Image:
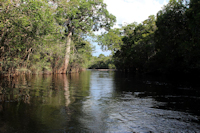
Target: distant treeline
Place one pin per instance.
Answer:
(102, 62)
(166, 44)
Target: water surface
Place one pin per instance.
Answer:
(98, 101)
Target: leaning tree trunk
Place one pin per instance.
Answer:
(64, 66)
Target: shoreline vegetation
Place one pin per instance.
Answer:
(166, 44)
(44, 37)
(51, 37)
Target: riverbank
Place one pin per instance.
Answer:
(24, 71)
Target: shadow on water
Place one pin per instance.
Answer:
(175, 94)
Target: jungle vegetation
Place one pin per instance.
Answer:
(168, 43)
(45, 36)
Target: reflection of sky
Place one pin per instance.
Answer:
(106, 110)
(95, 107)
(98, 51)
(101, 85)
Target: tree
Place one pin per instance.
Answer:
(81, 54)
(81, 16)
(102, 62)
(111, 40)
(138, 45)
(23, 26)
(193, 54)
(193, 13)
(171, 38)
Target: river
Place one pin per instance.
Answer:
(98, 101)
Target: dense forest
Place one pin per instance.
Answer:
(44, 36)
(168, 43)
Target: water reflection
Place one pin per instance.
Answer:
(97, 101)
(121, 103)
(95, 107)
(66, 90)
(34, 104)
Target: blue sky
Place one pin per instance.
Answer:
(128, 11)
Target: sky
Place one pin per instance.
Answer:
(129, 11)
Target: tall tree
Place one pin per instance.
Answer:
(172, 37)
(81, 16)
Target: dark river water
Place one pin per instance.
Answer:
(98, 101)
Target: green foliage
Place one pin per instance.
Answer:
(168, 44)
(34, 32)
(83, 16)
(81, 53)
(102, 62)
(23, 29)
(176, 41)
(79, 18)
(138, 45)
(111, 40)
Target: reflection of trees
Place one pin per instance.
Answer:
(38, 87)
(79, 85)
(64, 79)
(41, 101)
(32, 101)
(66, 93)
(14, 89)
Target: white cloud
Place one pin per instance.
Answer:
(133, 10)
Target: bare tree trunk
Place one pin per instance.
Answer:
(63, 69)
